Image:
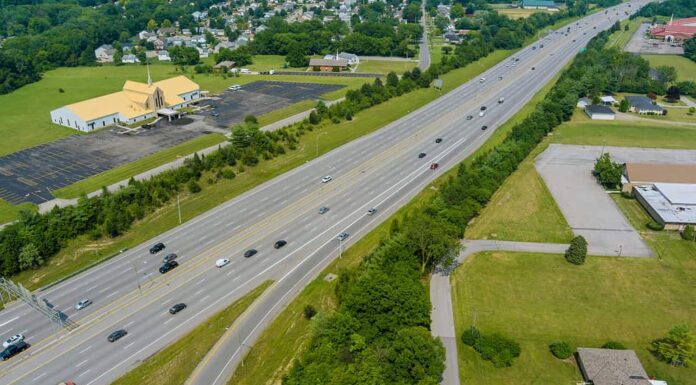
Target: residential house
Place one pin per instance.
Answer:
(158, 44)
(199, 15)
(129, 59)
(326, 65)
(583, 102)
(643, 105)
(225, 44)
(599, 112)
(225, 65)
(163, 56)
(443, 10)
(352, 59)
(452, 37)
(105, 53)
(611, 367)
(166, 32)
(608, 100)
(144, 35)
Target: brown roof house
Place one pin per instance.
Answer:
(328, 65)
(611, 367)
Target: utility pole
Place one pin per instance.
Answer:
(137, 277)
(178, 206)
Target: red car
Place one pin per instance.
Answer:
(434, 166)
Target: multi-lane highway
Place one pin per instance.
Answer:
(381, 170)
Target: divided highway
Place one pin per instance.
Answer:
(381, 170)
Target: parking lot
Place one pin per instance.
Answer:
(639, 43)
(260, 97)
(31, 174)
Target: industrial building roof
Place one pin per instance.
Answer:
(660, 173)
(672, 202)
(611, 367)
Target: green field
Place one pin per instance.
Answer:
(125, 171)
(385, 66)
(538, 299)
(267, 62)
(519, 13)
(686, 69)
(9, 212)
(174, 364)
(620, 38)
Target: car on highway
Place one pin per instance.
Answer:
(177, 308)
(482, 114)
(469, 117)
(500, 77)
(434, 166)
(170, 257)
(438, 140)
(533, 68)
(342, 236)
(157, 247)
(326, 179)
(483, 108)
(279, 244)
(117, 335)
(371, 211)
(83, 303)
(501, 100)
(323, 210)
(167, 267)
(15, 339)
(421, 155)
(13, 350)
(250, 253)
(67, 383)
(222, 262)
(482, 80)
(484, 128)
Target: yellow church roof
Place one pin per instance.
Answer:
(131, 101)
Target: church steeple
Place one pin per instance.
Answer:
(149, 78)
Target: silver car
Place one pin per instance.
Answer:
(83, 304)
(342, 236)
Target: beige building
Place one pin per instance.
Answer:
(638, 174)
(135, 102)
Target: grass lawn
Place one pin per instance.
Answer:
(522, 210)
(9, 212)
(686, 69)
(83, 252)
(620, 38)
(125, 171)
(175, 363)
(518, 13)
(267, 62)
(582, 130)
(537, 299)
(385, 66)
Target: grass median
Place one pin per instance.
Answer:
(174, 364)
(84, 251)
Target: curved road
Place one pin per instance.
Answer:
(380, 170)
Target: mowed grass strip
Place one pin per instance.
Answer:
(385, 66)
(128, 170)
(620, 38)
(174, 364)
(686, 69)
(84, 251)
(537, 299)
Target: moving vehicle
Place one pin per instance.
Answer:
(279, 244)
(168, 266)
(438, 140)
(234, 87)
(157, 247)
(342, 236)
(421, 155)
(250, 253)
(323, 210)
(117, 335)
(469, 117)
(501, 100)
(15, 339)
(533, 68)
(481, 114)
(371, 211)
(222, 262)
(170, 257)
(13, 350)
(215, 114)
(483, 108)
(484, 128)
(326, 179)
(83, 303)
(482, 80)
(177, 308)
(434, 166)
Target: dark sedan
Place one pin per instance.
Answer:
(156, 248)
(168, 266)
(177, 308)
(115, 336)
(280, 244)
(250, 253)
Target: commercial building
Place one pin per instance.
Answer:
(135, 102)
(675, 30)
(540, 4)
(596, 112)
(666, 191)
(328, 65)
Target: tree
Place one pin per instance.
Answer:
(414, 356)
(673, 93)
(392, 79)
(446, 50)
(183, 56)
(118, 56)
(433, 240)
(607, 172)
(412, 13)
(241, 56)
(151, 25)
(309, 311)
(688, 233)
(314, 118)
(623, 106)
(296, 57)
(577, 251)
(29, 257)
(678, 348)
(665, 75)
(166, 23)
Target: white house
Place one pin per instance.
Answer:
(105, 53)
(163, 56)
(136, 102)
(599, 112)
(352, 58)
(129, 59)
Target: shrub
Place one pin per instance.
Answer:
(62, 91)
(309, 311)
(678, 348)
(314, 118)
(496, 348)
(561, 350)
(577, 251)
(228, 173)
(194, 187)
(613, 345)
(688, 233)
(627, 195)
(654, 225)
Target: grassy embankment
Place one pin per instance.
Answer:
(175, 363)
(83, 252)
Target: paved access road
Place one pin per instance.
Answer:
(380, 170)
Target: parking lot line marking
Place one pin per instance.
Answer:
(82, 363)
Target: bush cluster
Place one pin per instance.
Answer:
(577, 251)
(613, 345)
(561, 350)
(496, 348)
(654, 225)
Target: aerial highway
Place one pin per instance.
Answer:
(381, 170)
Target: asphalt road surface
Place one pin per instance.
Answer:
(380, 170)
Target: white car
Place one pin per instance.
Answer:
(222, 262)
(13, 340)
(83, 304)
(481, 114)
(326, 179)
(482, 80)
(234, 87)
(245, 71)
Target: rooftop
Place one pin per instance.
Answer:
(642, 102)
(538, 3)
(660, 173)
(597, 109)
(328, 62)
(611, 367)
(672, 202)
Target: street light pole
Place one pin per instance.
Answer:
(137, 277)
(178, 206)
